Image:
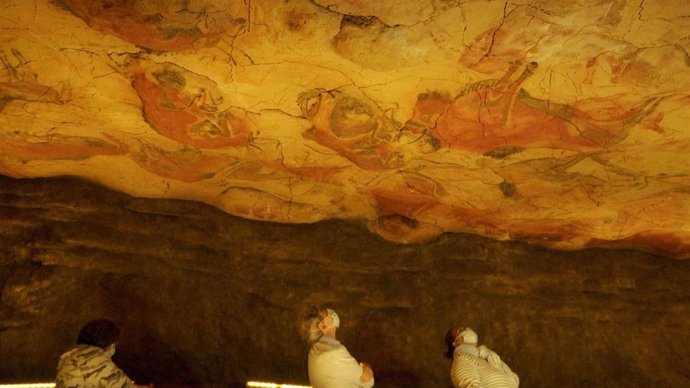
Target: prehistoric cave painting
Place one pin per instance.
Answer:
(580, 36)
(489, 51)
(413, 215)
(186, 164)
(164, 25)
(269, 191)
(418, 209)
(409, 196)
(189, 108)
(25, 148)
(551, 176)
(400, 229)
(353, 126)
(403, 200)
(323, 174)
(491, 115)
(19, 82)
(189, 164)
(589, 148)
(526, 31)
(651, 68)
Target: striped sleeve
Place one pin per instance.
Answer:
(474, 372)
(465, 371)
(495, 361)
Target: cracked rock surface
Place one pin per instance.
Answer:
(560, 125)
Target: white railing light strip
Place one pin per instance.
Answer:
(260, 384)
(251, 384)
(28, 385)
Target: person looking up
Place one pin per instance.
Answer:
(476, 366)
(330, 364)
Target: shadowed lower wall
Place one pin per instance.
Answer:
(204, 298)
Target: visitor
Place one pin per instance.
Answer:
(476, 366)
(89, 364)
(330, 364)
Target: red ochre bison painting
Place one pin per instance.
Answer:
(353, 126)
(486, 117)
(188, 109)
(164, 26)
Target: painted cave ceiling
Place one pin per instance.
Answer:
(563, 124)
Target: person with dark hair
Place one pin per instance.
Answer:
(476, 366)
(89, 363)
(330, 364)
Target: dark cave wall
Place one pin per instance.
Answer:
(204, 298)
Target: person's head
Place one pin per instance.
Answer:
(308, 325)
(458, 336)
(329, 323)
(468, 336)
(100, 332)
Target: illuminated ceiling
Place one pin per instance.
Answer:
(563, 124)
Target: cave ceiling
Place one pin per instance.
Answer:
(563, 124)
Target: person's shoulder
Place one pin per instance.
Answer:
(322, 347)
(79, 350)
(84, 356)
(89, 354)
(462, 358)
(484, 351)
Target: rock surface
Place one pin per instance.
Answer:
(205, 298)
(556, 123)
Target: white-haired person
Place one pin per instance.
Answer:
(476, 366)
(330, 364)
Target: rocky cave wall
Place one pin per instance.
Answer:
(205, 298)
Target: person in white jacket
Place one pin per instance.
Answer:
(476, 366)
(330, 364)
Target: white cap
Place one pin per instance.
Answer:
(468, 336)
(334, 315)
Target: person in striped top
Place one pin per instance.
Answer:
(476, 366)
